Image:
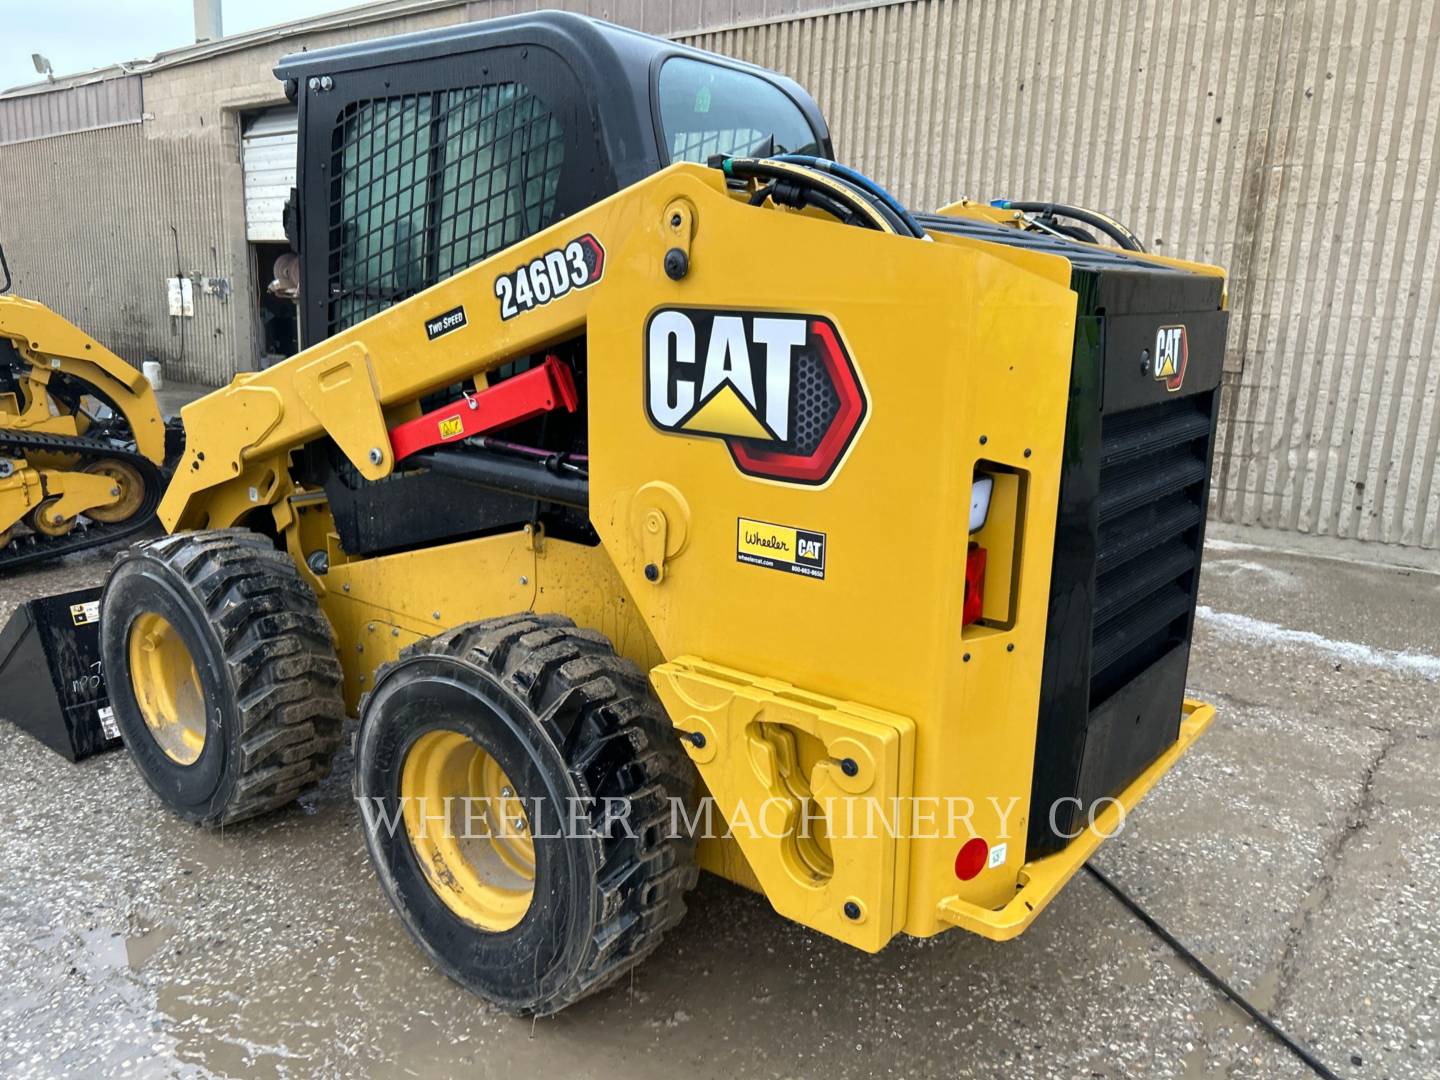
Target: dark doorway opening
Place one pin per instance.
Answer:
(279, 317)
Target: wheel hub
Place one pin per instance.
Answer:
(129, 490)
(469, 829)
(167, 688)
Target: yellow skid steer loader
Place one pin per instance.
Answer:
(662, 496)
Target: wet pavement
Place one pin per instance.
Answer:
(1295, 848)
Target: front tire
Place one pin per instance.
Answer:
(222, 673)
(525, 710)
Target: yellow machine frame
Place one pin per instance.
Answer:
(964, 351)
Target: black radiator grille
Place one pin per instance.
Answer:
(1153, 468)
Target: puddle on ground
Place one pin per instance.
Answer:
(142, 946)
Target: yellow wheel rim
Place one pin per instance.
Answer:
(469, 829)
(43, 520)
(129, 488)
(167, 688)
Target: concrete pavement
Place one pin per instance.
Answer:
(1295, 849)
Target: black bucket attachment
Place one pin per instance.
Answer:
(50, 678)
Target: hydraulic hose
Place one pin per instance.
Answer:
(1108, 225)
(823, 191)
(861, 181)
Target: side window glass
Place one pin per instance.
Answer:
(709, 109)
(377, 212)
(424, 185)
(503, 151)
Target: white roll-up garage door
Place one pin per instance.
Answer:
(269, 159)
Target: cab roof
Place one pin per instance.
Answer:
(603, 56)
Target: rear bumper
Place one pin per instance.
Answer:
(1041, 880)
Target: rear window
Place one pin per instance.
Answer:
(707, 109)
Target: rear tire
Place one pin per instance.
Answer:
(222, 673)
(554, 714)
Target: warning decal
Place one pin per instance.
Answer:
(780, 547)
(86, 613)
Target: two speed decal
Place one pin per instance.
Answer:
(579, 263)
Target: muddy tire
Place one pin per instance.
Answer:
(567, 727)
(222, 673)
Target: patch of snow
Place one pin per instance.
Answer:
(1243, 626)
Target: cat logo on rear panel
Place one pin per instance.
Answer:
(779, 389)
(1172, 353)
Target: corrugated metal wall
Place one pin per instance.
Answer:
(1292, 141)
(102, 103)
(87, 192)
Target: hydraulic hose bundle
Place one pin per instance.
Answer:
(799, 181)
(1047, 212)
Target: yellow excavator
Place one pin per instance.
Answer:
(82, 441)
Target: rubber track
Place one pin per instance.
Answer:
(599, 711)
(32, 547)
(280, 652)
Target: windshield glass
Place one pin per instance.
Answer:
(707, 109)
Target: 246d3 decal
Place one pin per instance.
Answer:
(779, 389)
(558, 272)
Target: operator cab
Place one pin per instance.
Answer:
(425, 153)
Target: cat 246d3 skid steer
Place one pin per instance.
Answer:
(661, 496)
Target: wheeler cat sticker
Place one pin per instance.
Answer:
(780, 547)
(558, 272)
(779, 389)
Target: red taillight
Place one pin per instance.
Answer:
(974, 584)
(971, 859)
